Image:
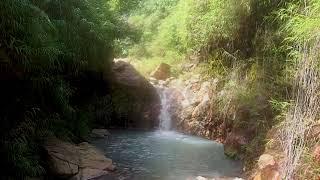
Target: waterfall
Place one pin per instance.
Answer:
(164, 117)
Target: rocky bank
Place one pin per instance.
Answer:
(76, 162)
(194, 103)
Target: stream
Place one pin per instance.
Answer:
(165, 154)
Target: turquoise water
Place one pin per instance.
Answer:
(166, 156)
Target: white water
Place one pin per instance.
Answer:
(164, 117)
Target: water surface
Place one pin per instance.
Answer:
(163, 155)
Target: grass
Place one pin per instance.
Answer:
(147, 65)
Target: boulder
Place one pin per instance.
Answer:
(126, 75)
(76, 162)
(162, 72)
(316, 153)
(268, 168)
(99, 133)
(136, 100)
(91, 158)
(63, 158)
(268, 173)
(266, 160)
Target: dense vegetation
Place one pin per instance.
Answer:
(254, 47)
(56, 55)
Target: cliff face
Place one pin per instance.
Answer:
(136, 102)
(213, 109)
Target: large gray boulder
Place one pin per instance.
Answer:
(76, 162)
(63, 158)
(136, 101)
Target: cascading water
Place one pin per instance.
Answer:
(164, 117)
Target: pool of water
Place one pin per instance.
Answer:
(162, 155)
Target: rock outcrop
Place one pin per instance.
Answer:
(162, 72)
(76, 162)
(63, 158)
(99, 133)
(136, 101)
(268, 168)
(190, 103)
(316, 153)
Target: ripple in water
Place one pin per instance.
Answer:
(163, 155)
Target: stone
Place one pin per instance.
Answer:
(266, 160)
(92, 158)
(268, 173)
(201, 178)
(88, 173)
(162, 72)
(125, 74)
(202, 108)
(139, 95)
(316, 153)
(268, 168)
(153, 81)
(63, 158)
(77, 162)
(99, 133)
(112, 168)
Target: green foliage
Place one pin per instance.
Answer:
(124, 6)
(46, 47)
(20, 145)
(252, 46)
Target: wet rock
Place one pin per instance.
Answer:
(91, 158)
(162, 72)
(193, 106)
(139, 101)
(99, 133)
(201, 178)
(76, 162)
(63, 158)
